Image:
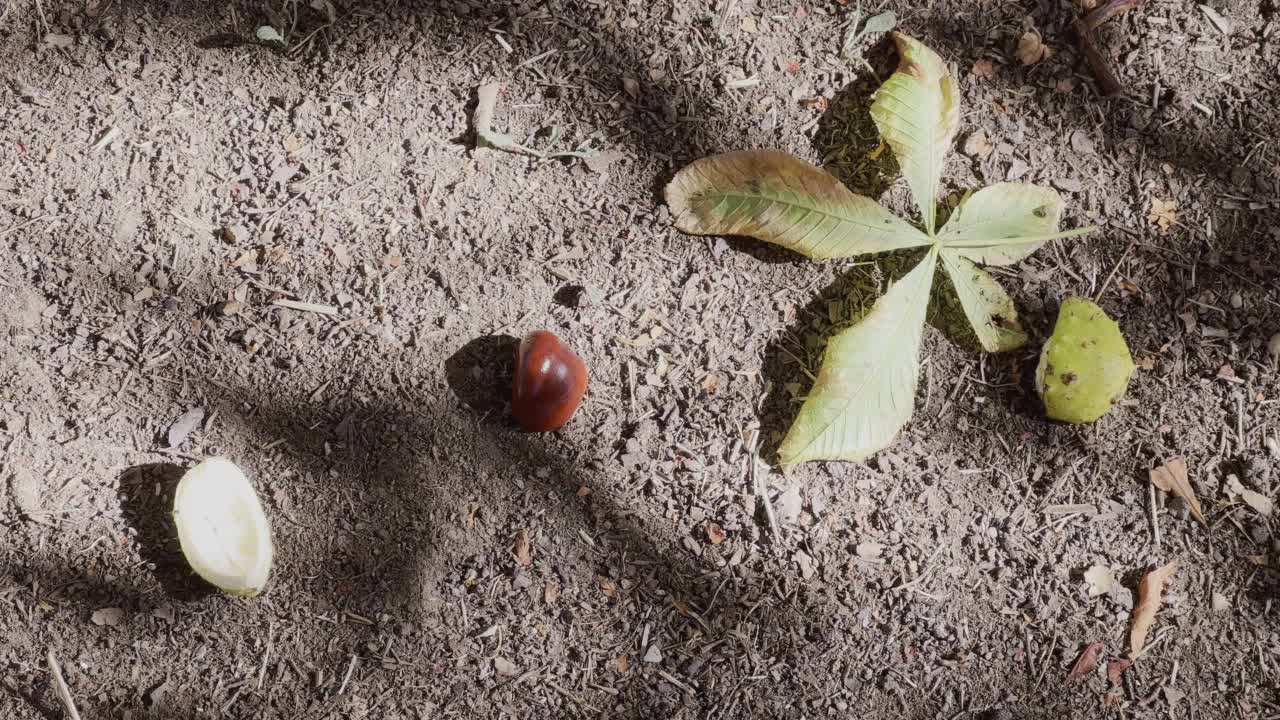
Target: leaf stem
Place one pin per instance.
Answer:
(1024, 240)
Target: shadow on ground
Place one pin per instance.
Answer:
(146, 495)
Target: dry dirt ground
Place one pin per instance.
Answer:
(164, 181)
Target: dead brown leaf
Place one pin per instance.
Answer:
(1163, 214)
(523, 550)
(977, 144)
(1150, 589)
(1031, 48)
(248, 258)
(1115, 670)
(715, 533)
(1171, 477)
(607, 586)
(983, 69)
(711, 383)
(817, 104)
(1086, 663)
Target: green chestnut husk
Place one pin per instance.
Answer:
(1085, 366)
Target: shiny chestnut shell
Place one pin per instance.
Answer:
(549, 383)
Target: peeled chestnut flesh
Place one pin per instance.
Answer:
(550, 381)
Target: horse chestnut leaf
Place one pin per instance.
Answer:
(550, 381)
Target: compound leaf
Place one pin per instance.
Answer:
(772, 196)
(991, 313)
(917, 111)
(1004, 223)
(865, 391)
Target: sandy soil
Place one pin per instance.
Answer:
(165, 180)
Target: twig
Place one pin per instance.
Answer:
(61, 689)
(1111, 276)
(347, 677)
(1108, 81)
(757, 483)
(44, 22)
(10, 230)
(1155, 520)
(306, 307)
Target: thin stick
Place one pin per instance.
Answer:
(19, 226)
(44, 23)
(306, 307)
(757, 484)
(1108, 81)
(1155, 520)
(60, 688)
(347, 677)
(1114, 270)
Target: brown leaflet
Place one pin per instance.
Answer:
(1172, 478)
(1150, 589)
(1086, 663)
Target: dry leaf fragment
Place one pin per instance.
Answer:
(1163, 214)
(624, 664)
(109, 616)
(1172, 478)
(1031, 48)
(715, 533)
(1086, 663)
(607, 586)
(1115, 670)
(523, 550)
(983, 69)
(1150, 589)
(186, 423)
(1100, 580)
(1259, 502)
(551, 592)
(247, 259)
(711, 383)
(817, 104)
(977, 144)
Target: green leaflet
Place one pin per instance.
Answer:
(772, 196)
(918, 112)
(865, 391)
(987, 306)
(1004, 223)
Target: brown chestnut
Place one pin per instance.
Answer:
(549, 383)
